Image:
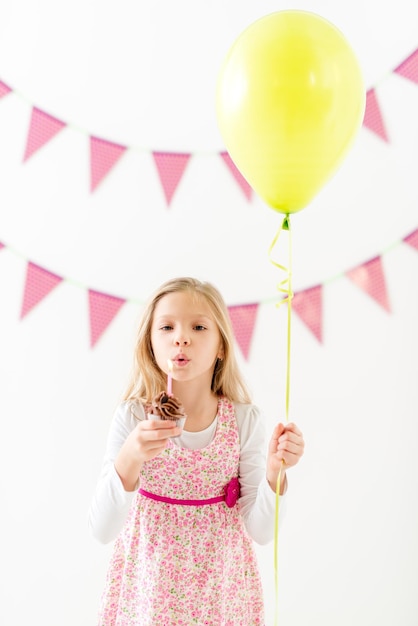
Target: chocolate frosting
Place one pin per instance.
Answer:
(167, 407)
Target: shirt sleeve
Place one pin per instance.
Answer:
(111, 503)
(257, 500)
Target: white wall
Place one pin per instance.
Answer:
(143, 74)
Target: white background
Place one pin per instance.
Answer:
(143, 74)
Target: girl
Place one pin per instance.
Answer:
(184, 505)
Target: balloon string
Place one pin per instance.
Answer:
(284, 287)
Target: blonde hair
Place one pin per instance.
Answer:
(147, 379)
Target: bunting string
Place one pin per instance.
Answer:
(368, 276)
(170, 166)
(105, 154)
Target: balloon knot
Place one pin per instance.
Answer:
(286, 223)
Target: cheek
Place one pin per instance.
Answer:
(159, 355)
(156, 344)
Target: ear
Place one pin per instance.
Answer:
(220, 354)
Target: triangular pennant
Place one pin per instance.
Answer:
(243, 320)
(371, 279)
(39, 283)
(103, 156)
(373, 117)
(170, 166)
(237, 175)
(308, 306)
(102, 308)
(2, 245)
(412, 239)
(4, 89)
(409, 67)
(41, 129)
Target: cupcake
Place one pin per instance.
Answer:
(165, 407)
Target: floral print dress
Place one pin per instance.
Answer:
(190, 562)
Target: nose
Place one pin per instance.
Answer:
(182, 340)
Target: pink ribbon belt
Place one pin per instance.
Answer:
(155, 496)
(230, 496)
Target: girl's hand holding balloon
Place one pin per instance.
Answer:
(285, 450)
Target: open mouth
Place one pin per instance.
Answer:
(181, 360)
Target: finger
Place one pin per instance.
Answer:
(154, 447)
(289, 446)
(279, 461)
(153, 450)
(289, 459)
(157, 424)
(158, 434)
(289, 435)
(277, 433)
(159, 429)
(291, 427)
(292, 438)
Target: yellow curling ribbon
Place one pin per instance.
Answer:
(284, 287)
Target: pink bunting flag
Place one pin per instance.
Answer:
(2, 245)
(103, 156)
(371, 279)
(239, 178)
(307, 304)
(170, 167)
(41, 129)
(412, 239)
(409, 67)
(39, 283)
(243, 318)
(373, 119)
(103, 308)
(4, 89)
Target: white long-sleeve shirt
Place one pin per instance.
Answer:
(111, 503)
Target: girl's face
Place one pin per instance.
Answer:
(184, 330)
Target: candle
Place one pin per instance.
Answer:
(169, 377)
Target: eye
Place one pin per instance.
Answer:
(199, 327)
(166, 327)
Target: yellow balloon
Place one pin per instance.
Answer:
(290, 99)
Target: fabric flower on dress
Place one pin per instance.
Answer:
(232, 490)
